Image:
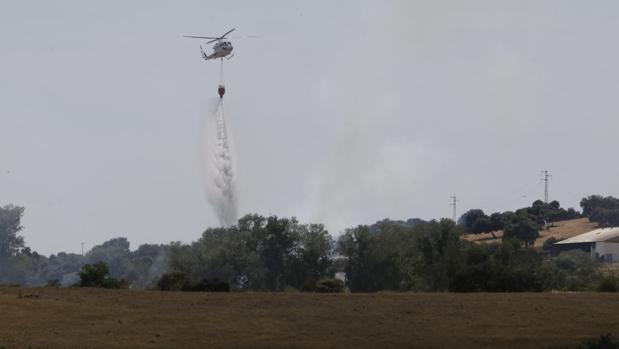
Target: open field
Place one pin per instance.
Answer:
(561, 230)
(92, 318)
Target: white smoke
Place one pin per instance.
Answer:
(219, 167)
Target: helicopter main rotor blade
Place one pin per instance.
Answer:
(199, 37)
(228, 32)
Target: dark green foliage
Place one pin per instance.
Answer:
(573, 271)
(377, 261)
(523, 228)
(309, 286)
(272, 253)
(507, 267)
(609, 282)
(409, 223)
(177, 281)
(10, 226)
(97, 275)
(548, 244)
(258, 253)
(602, 210)
(329, 286)
(595, 202)
(432, 257)
(476, 221)
(606, 218)
(603, 342)
(214, 285)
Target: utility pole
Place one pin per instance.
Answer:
(453, 204)
(546, 177)
(82, 248)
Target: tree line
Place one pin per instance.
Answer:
(277, 254)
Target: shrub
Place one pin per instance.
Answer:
(608, 283)
(175, 281)
(97, 275)
(210, 286)
(309, 286)
(330, 286)
(603, 342)
(548, 244)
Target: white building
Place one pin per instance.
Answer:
(601, 243)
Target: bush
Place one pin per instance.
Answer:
(309, 286)
(608, 283)
(97, 275)
(210, 286)
(603, 342)
(330, 286)
(177, 281)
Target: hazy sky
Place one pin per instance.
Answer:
(341, 112)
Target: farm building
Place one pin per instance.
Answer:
(601, 243)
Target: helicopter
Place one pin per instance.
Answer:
(221, 49)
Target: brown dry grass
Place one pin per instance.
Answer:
(89, 318)
(561, 230)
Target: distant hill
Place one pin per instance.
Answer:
(560, 230)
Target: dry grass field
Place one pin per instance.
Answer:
(561, 230)
(92, 318)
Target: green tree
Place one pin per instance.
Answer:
(470, 218)
(114, 253)
(311, 257)
(356, 246)
(10, 226)
(97, 275)
(522, 228)
(593, 202)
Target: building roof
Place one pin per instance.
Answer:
(597, 235)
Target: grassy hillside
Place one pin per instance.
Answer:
(560, 230)
(80, 318)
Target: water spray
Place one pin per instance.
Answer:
(221, 191)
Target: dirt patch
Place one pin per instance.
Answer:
(561, 230)
(89, 318)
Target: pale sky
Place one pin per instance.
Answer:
(341, 112)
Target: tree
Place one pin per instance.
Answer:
(114, 253)
(606, 217)
(523, 228)
(10, 226)
(175, 281)
(329, 286)
(356, 246)
(311, 257)
(258, 253)
(469, 218)
(593, 203)
(97, 275)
